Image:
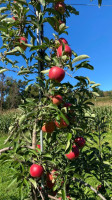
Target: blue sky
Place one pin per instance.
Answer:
(90, 33)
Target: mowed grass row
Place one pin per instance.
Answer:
(12, 193)
(6, 193)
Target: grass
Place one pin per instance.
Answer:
(6, 193)
(5, 173)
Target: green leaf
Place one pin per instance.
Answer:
(77, 176)
(45, 71)
(8, 20)
(16, 49)
(3, 9)
(3, 28)
(33, 182)
(42, 2)
(24, 72)
(64, 192)
(3, 70)
(95, 94)
(47, 58)
(69, 136)
(62, 27)
(78, 58)
(84, 64)
(95, 85)
(22, 118)
(64, 117)
(14, 180)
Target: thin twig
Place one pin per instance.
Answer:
(40, 193)
(52, 197)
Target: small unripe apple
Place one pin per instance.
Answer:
(56, 26)
(57, 99)
(36, 170)
(67, 51)
(60, 7)
(56, 73)
(23, 39)
(48, 127)
(80, 141)
(74, 153)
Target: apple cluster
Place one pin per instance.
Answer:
(21, 39)
(57, 74)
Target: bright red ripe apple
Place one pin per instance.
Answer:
(80, 141)
(36, 170)
(57, 99)
(23, 39)
(67, 51)
(56, 73)
(60, 7)
(38, 146)
(48, 127)
(74, 153)
(62, 124)
(62, 40)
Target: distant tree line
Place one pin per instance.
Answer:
(12, 91)
(104, 93)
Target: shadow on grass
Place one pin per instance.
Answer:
(9, 198)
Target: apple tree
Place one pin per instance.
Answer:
(49, 133)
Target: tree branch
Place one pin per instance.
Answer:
(93, 189)
(10, 148)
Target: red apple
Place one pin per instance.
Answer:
(62, 40)
(23, 39)
(67, 105)
(48, 127)
(60, 7)
(80, 141)
(56, 73)
(57, 99)
(36, 170)
(14, 18)
(74, 153)
(62, 123)
(67, 51)
(38, 147)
